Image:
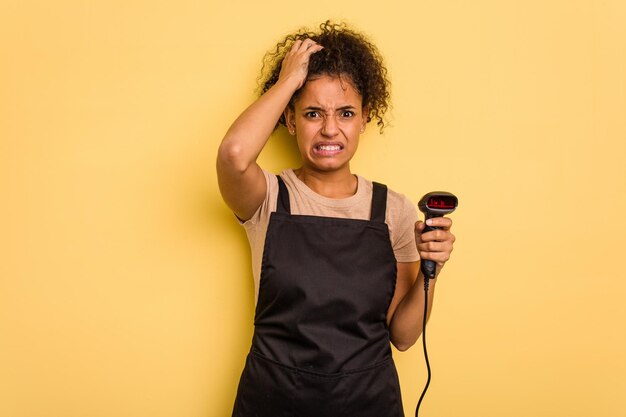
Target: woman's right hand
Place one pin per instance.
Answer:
(295, 65)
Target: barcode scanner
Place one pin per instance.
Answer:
(434, 204)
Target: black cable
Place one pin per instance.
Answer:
(426, 281)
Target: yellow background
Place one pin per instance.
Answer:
(125, 284)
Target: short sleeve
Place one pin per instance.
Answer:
(402, 216)
(269, 203)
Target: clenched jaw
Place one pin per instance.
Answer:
(327, 148)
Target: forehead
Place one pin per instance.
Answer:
(327, 91)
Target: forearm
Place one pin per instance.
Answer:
(407, 321)
(406, 314)
(249, 133)
(241, 180)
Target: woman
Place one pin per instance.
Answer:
(335, 256)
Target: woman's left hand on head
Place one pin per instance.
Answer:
(435, 245)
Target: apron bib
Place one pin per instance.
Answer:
(321, 343)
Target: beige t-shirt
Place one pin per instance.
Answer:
(400, 217)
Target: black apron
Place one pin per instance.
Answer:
(321, 342)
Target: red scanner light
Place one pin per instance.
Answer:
(441, 202)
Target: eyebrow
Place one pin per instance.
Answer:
(317, 108)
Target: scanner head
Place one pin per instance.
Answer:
(438, 203)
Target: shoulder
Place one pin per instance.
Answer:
(400, 205)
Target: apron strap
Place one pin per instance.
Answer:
(379, 202)
(282, 203)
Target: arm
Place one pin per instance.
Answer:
(406, 311)
(240, 178)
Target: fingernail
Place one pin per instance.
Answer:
(429, 222)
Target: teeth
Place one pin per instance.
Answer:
(329, 147)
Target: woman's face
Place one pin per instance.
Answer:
(327, 120)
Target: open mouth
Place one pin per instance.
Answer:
(327, 149)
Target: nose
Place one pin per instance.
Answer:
(330, 127)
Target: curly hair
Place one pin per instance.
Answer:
(347, 54)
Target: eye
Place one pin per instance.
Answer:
(347, 113)
(312, 114)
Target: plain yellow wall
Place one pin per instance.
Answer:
(125, 284)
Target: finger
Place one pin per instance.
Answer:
(309, 48)
(301, 45)
(439, 257)
(296, 45)
(439, 235)
(315, 48)
(443, 222)
(308, 43)
(435, 247)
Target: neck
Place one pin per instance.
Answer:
(336, 184)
